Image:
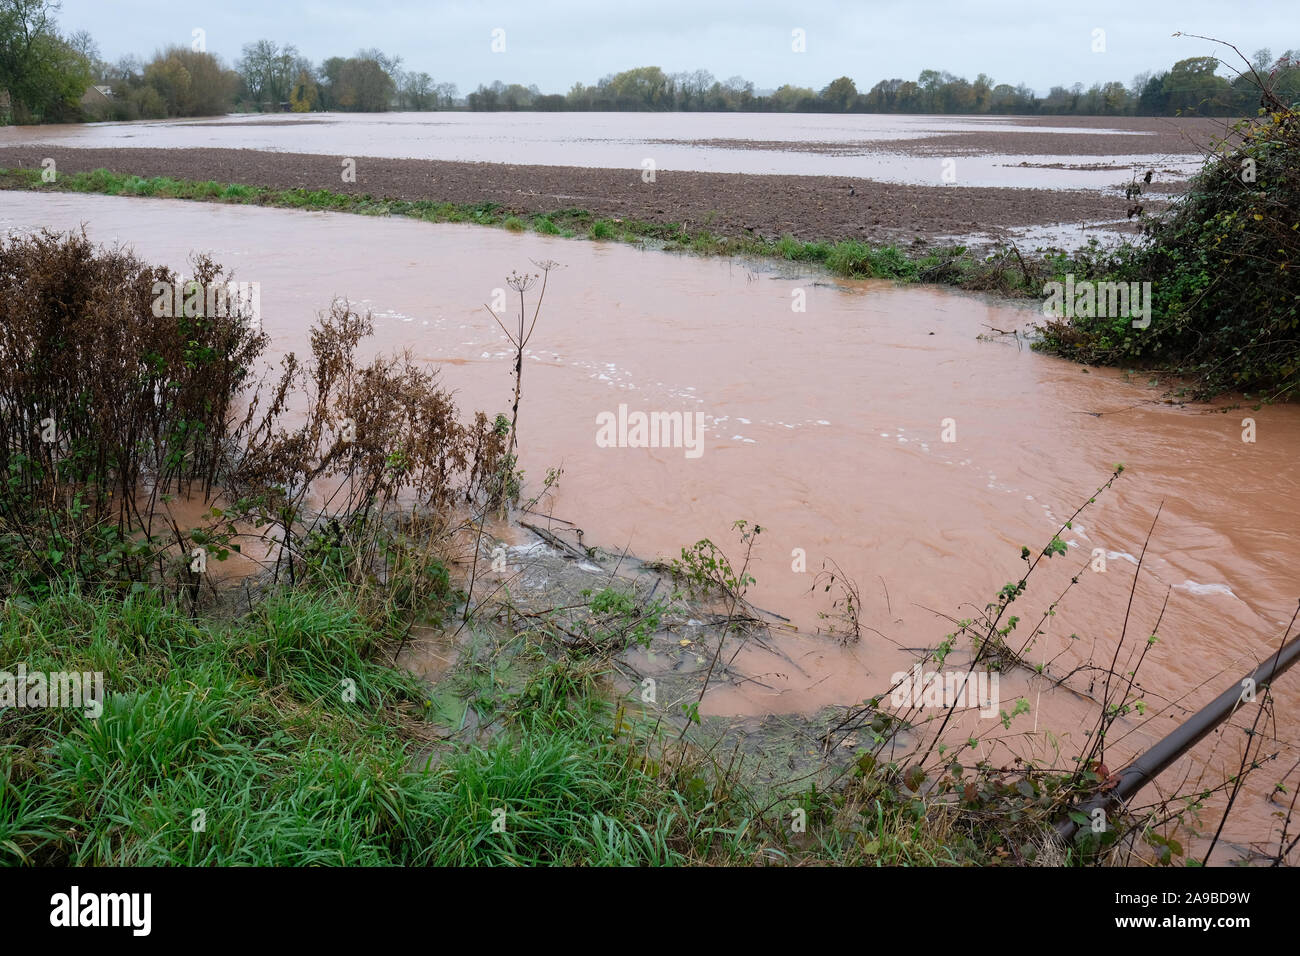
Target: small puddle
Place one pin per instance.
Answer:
(429, 652)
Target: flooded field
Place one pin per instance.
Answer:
(1009, 152)
(896, 431)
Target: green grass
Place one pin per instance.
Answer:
(859, 260)
(234, 743)
(791, 249)
(247, 723)
(237, 192)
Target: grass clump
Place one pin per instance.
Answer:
(854, 259)
(792, 250)
(237, 192)
(244, 722)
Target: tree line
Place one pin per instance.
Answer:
(1189, 86)
(42, 74)
(267, 77)
(47, 77)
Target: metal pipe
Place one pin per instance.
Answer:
(1150, 764)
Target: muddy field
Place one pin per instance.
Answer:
(1157, 135)
(807, 207)
(1040, 136)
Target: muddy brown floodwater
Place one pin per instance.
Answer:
(826, 426)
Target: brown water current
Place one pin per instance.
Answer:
(827, 427)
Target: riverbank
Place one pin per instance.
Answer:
(734, 206)
(807, 219)
(1005, 270)
(309, 728)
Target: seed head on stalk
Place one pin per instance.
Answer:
(519, 338)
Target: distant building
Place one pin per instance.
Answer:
(97, 100)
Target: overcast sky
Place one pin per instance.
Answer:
(554, 43)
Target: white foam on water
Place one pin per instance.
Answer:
(1192, 587)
